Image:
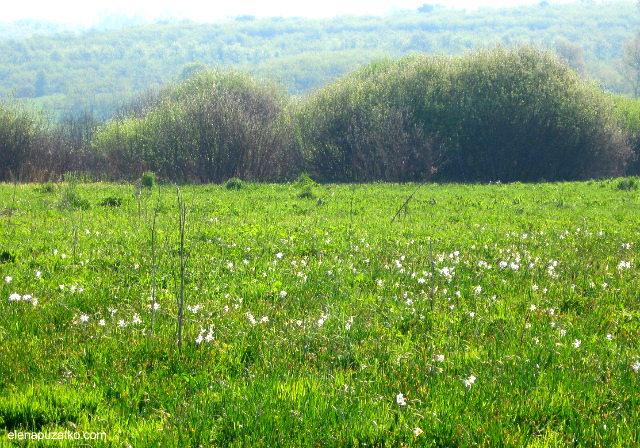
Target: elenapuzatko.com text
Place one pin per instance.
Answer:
(58, 435)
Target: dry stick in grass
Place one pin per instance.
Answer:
(405, 204)
(155, 267)
(183, 217)
(433, 275)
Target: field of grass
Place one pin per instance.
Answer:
(496, 315)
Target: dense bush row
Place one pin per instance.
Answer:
(501, 114)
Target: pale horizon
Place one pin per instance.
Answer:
(88, 13)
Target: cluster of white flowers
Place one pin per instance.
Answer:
(15, 297)
(469, 381)
(208, 337)
(624, 265)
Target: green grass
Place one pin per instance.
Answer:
(307, 318)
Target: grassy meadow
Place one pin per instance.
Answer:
(482, 315)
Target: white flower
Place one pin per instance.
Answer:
(102, 323)
(609, 337)
(563, 332)
(264, 319)
(636, 366)
(477, 289)
(624, 265)
(534, 287)
(469, 381)
(38, 274)
(472, 314)
(417, 431)
(136, 320)
(440, 358)
(279, 255)
(199, 338)
(8, 279)
(576, 343)
(15, 297)
(84, 318)
(122, 323)
(400, 400)
(283, 294)
(532, 308)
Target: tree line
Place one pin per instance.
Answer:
(99, 68)
(493, 115)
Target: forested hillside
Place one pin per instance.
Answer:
(98, 69)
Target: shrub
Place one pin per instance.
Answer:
(234, 184)
(211, 127)
(628, 184)
(498, 114)
(111, 201)
(148, 180)
(307, 193)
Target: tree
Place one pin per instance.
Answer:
(631, 64)
(40, 85)
(573, 54)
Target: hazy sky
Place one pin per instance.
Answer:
(86, 11)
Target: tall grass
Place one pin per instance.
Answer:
(487, 315)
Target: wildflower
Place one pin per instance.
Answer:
(417, 431)
(264, 320)
(469, 381)
(122, 323)
(624, 265)
(552, 311)
(102, 323)
(283, 294)
(136, 320)
(472, 314)
(8, 279)
(636, 366)
(84, 318)
(532, 308)
(199, 338)
(534, 287)
(15, 297)
(209, 336)
(477, 289)
(400, 400)
(38, 274)
(279, 255)
(609, 337)
(576, 343)
(563, 332)
(440, 358)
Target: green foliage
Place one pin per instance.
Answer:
(304, 324)
(490, 115)
(306, 193)
(148, 180)
(304, 180)
(214, 126)
(628, 184)
(111, 201)
(628, 113)
(234, 184)
(99, 68)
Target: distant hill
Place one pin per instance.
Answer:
(65, 69)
